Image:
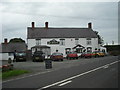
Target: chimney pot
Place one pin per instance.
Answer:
(33, 24)
(46, 24)
(90, 25)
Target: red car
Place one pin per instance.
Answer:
(88, 55)
(72, 55)
(57, 56)
(82, 55)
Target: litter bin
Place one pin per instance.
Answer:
(48, 63)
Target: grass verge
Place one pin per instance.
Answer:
(12, 73)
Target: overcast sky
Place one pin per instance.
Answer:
(17, 16)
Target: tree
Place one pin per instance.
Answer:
(14, 40)
(100, 39)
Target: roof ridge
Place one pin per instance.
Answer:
(59, 28)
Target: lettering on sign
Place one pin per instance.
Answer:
(53, 42)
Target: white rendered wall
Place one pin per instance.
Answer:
(5, 56)
(69, 43)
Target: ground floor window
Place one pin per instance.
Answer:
(79, 50)
(67, 50)
(89, 49)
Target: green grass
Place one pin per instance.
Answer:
(0, 75)
(12, 73)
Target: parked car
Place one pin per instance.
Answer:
(88, 55)
(38, 56)
(20, 56)
(101, 54)
(57, 56)
(98, 54)
(82, 55)
(72, 55)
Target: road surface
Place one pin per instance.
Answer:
(82, 73)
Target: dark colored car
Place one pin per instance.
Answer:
(72, 55)
(57, 56)
(20, 56)
(38, 56)
(86, 55)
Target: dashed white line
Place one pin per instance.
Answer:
(65, 83)
(78, 75)
(106, 66)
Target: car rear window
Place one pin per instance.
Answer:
(38, 52)
(57, 54)
(20, 54)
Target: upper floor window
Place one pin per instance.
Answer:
(76, 41)
(89, 49)
(38, 41)
(62, 41)
(88, 38)
(88, 41)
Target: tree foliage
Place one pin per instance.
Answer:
(100, 39)
(14, 40)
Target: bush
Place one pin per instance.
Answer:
(114, 53)
(7, 67)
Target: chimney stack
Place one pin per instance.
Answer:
(90, 25)
(46, 25)
(5, 41)
(33, 24)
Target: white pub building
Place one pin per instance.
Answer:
(49, 39)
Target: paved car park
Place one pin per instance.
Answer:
(40, 66)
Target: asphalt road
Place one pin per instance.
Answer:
(83, 73)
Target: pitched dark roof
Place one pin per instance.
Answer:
(36, 33)
(11, 47)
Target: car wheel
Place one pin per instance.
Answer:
(33, 60)
(61, 59)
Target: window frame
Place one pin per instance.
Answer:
(88, 41)
(76, 41)
(38, 42)
(62, 42)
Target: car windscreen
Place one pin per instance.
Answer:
(57, 54)
(72, 53)
(20, 54)
(38, 53)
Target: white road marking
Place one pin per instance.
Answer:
(65, 83)
(106, 66)
(78, 75)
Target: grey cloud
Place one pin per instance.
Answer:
(103, 16)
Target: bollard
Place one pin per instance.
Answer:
(48, 63)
